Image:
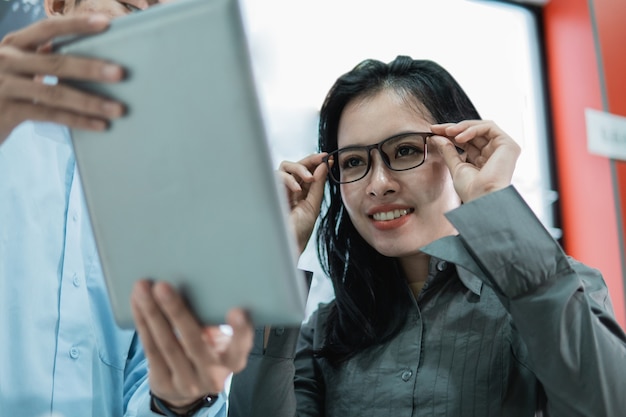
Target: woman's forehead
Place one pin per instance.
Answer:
(369, 119)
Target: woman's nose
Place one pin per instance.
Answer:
(381, 179)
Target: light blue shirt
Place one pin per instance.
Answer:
(61, 352)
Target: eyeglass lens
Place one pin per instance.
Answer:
(399, 153)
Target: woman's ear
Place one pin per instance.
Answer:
(55, 7)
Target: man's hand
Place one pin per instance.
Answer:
(26, 57)
(186, 360)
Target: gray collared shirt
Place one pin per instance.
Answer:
(507, 325)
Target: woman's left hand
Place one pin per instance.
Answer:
(489, 159)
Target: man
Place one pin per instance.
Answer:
(61, 352)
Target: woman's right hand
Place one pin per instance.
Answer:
(26, 56)
(304, 182)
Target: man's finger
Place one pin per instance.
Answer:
(44, 31)
(159, 368)
(241, 341)
(19, 62)
(14, 113)
(179, 316)
(162, 332)
(20, 89)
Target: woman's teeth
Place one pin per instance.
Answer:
(390, 215)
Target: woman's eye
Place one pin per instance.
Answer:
(352, 162)
(406, 151)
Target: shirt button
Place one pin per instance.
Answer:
(279, 331)
(76, 281)
(441, 266)
(74, 216)
(74, 353)
(406, 375)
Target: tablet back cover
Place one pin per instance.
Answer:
(182, 189)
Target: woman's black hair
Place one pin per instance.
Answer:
(372, 297)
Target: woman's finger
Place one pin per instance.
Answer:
(316, 190)
(450, 155)
(298, 170)
(292, 184)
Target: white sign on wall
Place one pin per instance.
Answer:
(606, 134)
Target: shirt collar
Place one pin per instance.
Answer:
(451, 249)
(51, 131)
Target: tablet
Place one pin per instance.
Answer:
(182, 189)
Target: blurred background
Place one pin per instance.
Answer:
(533, 66)
(492, 48)
(300, 47)
(15, 14)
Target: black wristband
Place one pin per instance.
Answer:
(161, 407)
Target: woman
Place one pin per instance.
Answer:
(451, 298)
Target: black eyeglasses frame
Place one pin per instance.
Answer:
(383, 155)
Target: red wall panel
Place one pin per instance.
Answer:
(610, 15)
(588, 207)
(611, 32)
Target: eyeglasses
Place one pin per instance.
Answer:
(399, 153)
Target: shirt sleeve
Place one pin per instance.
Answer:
(265, 387)
(282, 381)
(308, 384)
(560, 307)
(277, 374)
